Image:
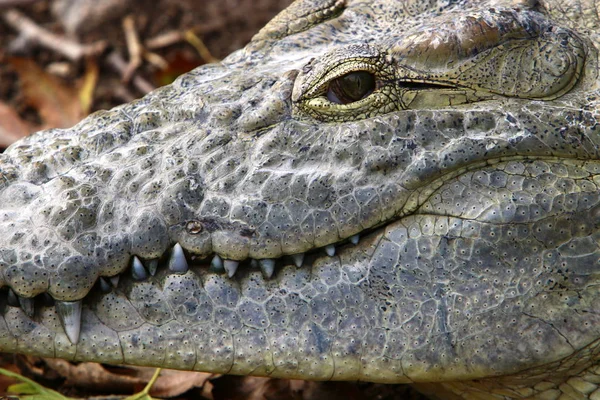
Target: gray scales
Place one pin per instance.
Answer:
(388, 191)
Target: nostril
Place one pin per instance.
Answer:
(194, 227)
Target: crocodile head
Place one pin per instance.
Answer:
(370, 190)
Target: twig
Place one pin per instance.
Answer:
(133, 46)
(156, 60)
(120, 65)
(14, 3)
(67, 47)
(122, 93)
(165, 39)
(137, 51)
(173, 37)
(200, 47)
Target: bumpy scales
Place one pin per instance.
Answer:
(390, 191)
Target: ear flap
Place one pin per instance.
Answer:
(503, 51)
(300, 16)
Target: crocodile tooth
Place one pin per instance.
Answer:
(27, 306)
(69, 313)
(12, 299)
(177, 261)
(152, 266)
(105, 287)
(114, 280)
(298, 259)
(354, 239)
(217, 264)
(267, 266)
(330, 250)
(231, 266)
(138, 271)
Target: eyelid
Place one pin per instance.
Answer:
(330, 94)
(339, 71)
(509, 53)
(314, 77)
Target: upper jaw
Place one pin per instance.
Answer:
(267, 195)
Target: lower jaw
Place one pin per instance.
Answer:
(355, 316)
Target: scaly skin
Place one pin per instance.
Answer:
(469, 172)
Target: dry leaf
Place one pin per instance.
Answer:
(95, 377)
(58, 105)
(12, 127)
(177, 65)
(173, 383)
(87, 86)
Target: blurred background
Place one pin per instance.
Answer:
(62, 59)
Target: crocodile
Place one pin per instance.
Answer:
(383, 191)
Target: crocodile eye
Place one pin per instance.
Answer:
(348, 84)
(351, 87)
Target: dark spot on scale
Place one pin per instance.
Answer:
(247, 232)
(511, 119)
(411, 145)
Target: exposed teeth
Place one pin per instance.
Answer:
(105, 287)
(138, 271)
(177, 261)
(217, 264)
(27, 306)
(298, 259)
(152, 266)
(114, 280)
(179, 264)
(69, 313)
(12, 299)
(267, 266)
(231, 266)
(330, 250)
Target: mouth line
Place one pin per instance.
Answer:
(176, 260)
(173, 261)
